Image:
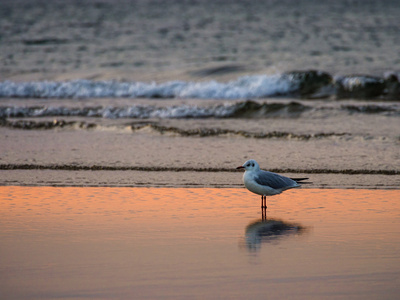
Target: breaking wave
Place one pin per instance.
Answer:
(306, 84)
(244, 87)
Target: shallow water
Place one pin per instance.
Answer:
(174, 243)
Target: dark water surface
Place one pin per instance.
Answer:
(158, 39)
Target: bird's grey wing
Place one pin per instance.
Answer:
(274, 180)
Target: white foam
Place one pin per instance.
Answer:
(256, 86)
(134, 111)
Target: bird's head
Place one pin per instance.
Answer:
(250, 165)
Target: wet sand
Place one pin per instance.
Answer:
(339, 151)
(174, 243)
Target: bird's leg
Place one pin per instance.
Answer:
(263, 201)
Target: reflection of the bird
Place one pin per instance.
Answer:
(268, 230)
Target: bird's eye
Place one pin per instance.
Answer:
(252, 165)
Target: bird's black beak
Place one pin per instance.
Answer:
(240, 167)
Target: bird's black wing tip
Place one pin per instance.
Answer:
(301, 180)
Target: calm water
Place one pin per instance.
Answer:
(172, 243)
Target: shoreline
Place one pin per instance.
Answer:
(6, 167)
(183, 179)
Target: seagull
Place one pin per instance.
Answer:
(266, 183)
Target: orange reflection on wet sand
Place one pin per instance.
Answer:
(96, 204)
(95, 199)
(99, 242)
